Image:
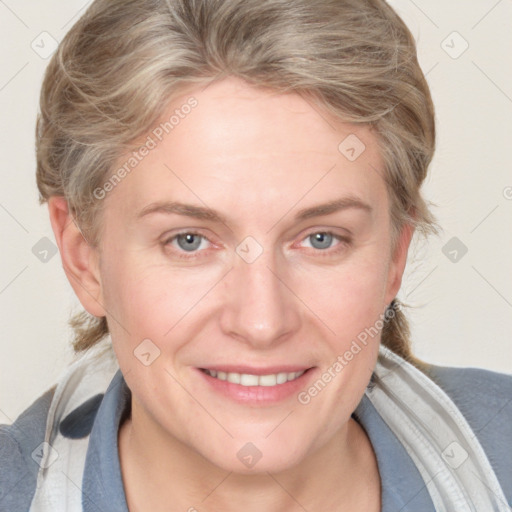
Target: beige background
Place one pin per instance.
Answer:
(462, 310)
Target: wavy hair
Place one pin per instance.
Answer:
(124, 60)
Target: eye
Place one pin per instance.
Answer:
(321, 240)
(325, 240)
(187, 242)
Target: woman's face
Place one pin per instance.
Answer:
(253, 238)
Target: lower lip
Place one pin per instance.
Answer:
(257, 395)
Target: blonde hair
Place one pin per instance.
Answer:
(124, 60)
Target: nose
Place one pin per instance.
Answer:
(259, 308)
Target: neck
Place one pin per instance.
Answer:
(159, 470)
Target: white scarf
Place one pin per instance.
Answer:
(422, 416)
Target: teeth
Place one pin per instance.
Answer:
(245, 379)
(283, 377)
(267, 380)
(234, 378)
(248, 380)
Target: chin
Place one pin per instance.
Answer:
(258, 457)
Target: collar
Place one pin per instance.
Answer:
(423, 444)
(102, 485)
(402, 485)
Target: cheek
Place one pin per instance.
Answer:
(347, 298)
(148, 301)
(349, 303)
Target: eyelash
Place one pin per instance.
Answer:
(344, 241)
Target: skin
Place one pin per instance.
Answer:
(257, 158)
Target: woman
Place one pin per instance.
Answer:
(233, 187)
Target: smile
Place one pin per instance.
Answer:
(248, 380)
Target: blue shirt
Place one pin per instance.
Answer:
(484, 398)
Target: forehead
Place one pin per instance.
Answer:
(253, 150)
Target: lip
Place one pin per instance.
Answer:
(257, 371)
(257, 395)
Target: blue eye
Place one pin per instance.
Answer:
(189, 241)
(322, 239)
(190, 244)
(323, 243)
(187, 244)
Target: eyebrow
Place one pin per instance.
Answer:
(333, 206)
(205, 213)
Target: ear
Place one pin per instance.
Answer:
(398, 261)
(79, 258)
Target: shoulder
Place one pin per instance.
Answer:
(482, 395)
(484, 398)
(19, 445)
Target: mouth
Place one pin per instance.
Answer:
(252, 380)
(256, 386)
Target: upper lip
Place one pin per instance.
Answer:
(228, 368)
